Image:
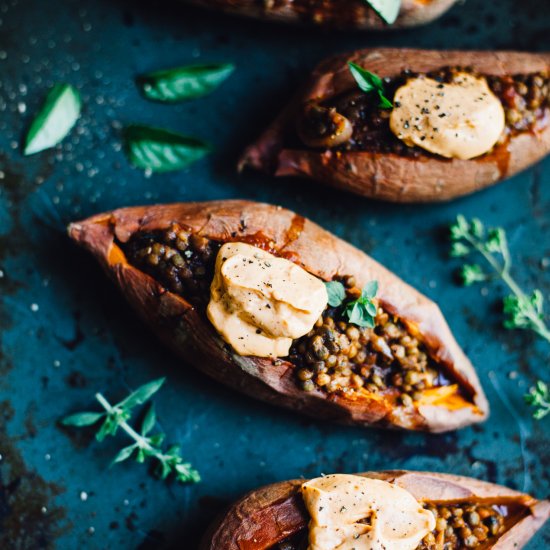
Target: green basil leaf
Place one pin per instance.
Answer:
(149, 420)
(336, 293)
(124, 454)
(367, 81)
(54, 120)
(388, 10)
(385, 103)
(181, 83)
(370, 289)
(371, 309)
(82, 419)
(143, 393)
(161, 150)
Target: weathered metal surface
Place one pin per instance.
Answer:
(65, 333)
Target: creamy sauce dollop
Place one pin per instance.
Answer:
(462, 119)
(358, 513)
(259, 303)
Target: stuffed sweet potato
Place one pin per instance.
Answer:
(353, 14)
(400, 368)
(468, 513)
(452, 122)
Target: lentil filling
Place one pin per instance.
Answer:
(335, 356)
(525, 98)
(458, 527)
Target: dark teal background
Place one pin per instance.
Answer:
(83, 338)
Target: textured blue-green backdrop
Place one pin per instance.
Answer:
(65, 333)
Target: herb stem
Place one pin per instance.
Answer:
(141, 442)
(503, 270)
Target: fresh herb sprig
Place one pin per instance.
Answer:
(145, 445)
(520, 309)
(539, 398)
(360, 312)
(388, 10)
(370, 83)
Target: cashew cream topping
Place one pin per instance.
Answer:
(358, 513)
(462, 119)
(259, 303)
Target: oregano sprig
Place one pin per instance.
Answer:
(361, 311)
(539, 398)
(145, 445)
(521, 310)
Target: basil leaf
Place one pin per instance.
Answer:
(143, 393)
(55, 119)
(183, 83)
(161, 150)
(82, 419)
(385, 103)
(369, 82)
(149, 420)
(336, 293)
(388, 10)
(370, 289)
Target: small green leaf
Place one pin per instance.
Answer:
(537, 300)
(478, 230)
(141, 456)
(82, 419)
(143, 393)
(459, 249)
(385, 103)
(496, 240)
(388, 10)
(336, 293)
(157, 440)
(54, 120)
(370, 289)
(124, 454)
(182, 83)
(369, 82)
(472, 273)
(149, 420)
(162, 150)
(109, 427)
(164, 469)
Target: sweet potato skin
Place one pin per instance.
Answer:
(270, 514)
(388, 176)
(341, 14)
(191, 336)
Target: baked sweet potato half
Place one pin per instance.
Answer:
(409, 151)
(469, 514)
(352, 14)
(406, 372)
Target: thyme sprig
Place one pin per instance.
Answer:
(539, 398)
(145, 445)
(521, 310)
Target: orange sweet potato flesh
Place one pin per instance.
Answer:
(273, 513)
(388, 176)
(189, 333)
(344, 14)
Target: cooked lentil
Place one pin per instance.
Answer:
(181, 261)
(525, 98)
(338, 356)
(335, 355)
(458, 527)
